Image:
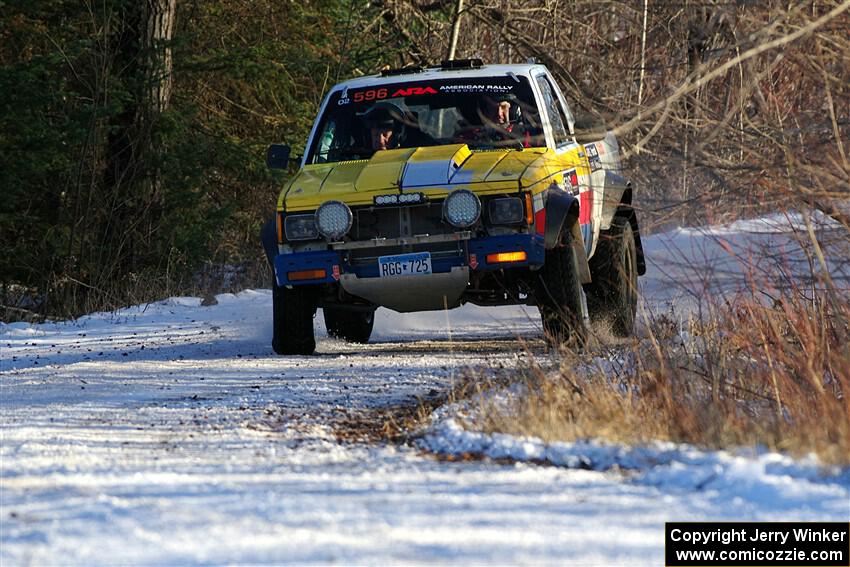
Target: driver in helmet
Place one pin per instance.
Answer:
(392, 125)
(384, 128)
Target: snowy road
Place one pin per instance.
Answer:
(170, 435)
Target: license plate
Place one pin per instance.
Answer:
(404, 265)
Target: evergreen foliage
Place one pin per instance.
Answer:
(81, 224)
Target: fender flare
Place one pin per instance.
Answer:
(627, 212)
(562, 210)
(617, 191)
(268, 238)
(617, 202)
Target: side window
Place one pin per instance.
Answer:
(326, 141)
(554, 111)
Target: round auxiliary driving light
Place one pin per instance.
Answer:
(462, 208)
(333, 219)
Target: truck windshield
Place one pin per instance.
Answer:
(484, 113)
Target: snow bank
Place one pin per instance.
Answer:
(757, 477)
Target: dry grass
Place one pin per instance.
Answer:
(776, 376)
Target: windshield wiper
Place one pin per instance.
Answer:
(352, 153)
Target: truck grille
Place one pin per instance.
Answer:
(398, 222)
(395, 222)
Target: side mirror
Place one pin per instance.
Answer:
(277, 156)
(589, 128)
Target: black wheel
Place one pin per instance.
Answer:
(559, 295)
(293, 320)
(352, 326)
(613, 293)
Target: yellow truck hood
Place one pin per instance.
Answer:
(433, 170)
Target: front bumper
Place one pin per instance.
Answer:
(330, 265)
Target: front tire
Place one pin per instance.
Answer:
(293, 320)
(351, 326)
(613, 292)
(560, 297)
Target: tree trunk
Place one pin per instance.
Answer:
(159, 27)
(142, 59)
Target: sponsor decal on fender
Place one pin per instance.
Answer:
(593, 157)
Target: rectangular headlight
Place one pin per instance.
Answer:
(300, 227)
(508, 210)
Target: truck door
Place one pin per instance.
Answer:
(570, 158)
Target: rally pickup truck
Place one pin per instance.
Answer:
(425, 188)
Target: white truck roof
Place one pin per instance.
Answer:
(441, 73)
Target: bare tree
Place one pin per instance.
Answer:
(741, 106)
(455, 29)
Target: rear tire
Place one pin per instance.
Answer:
(351, 326)
(613, 293)
(293, 320)
(560, 297)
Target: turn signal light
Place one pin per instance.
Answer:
(306, 275)
(505, 257)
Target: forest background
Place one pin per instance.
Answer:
(133, 133)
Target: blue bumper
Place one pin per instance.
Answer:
(474, 254)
